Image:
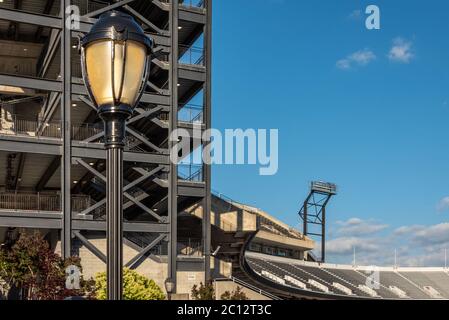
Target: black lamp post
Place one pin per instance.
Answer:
(115, 58)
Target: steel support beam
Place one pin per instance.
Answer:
(100, 255)
(323, 235)
(48, 5)
(96, 151)
(207, 201)
(43, 220)
(81, 150)
(57, 86)
(196, 16)
(131, 263)
(29, 145)
(91, 225)
(144, 20)
(30, 18)
(66, 160)
(122, 192)
(173, 175)
(49, 172)
(115, 5)
(32, 220)
(19, 173)
(30, 82)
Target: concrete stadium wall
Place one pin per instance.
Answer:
(220, 269)
(227, 217)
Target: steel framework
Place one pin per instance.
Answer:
(154, 192)
(313, 212)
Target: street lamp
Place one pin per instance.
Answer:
(169, 287)
(115, 59)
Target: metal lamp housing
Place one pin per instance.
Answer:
(169, 286)
(115, 58)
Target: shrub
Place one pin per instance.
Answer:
(236, 295)
(135, 287)
(203, 292)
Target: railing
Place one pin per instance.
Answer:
(191, 114)
(84, 131)
(40, 202)
(233, 202)
(81, 203)
(188, 3)
(192, 3)
(190, 172)
(190, 248)
(191, 55)
(13, 125)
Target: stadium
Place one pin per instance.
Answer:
(53, 169)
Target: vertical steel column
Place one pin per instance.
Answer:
(304, 229)
(173, 177)
(323, 235)
(114, 209)
(208, 119)
(66, 103)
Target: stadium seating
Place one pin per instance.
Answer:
(352, 282)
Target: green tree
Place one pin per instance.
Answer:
(235, 295)
(203, 292)
(135, 287)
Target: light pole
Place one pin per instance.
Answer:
(115, 59)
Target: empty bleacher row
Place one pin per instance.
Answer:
(351, 282)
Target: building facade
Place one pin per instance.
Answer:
(52, 159)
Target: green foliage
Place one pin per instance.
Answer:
(203, 292)
(235, 295)
(30, 264)
(135, 287)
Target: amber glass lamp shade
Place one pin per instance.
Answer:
(115, 70)
(115, 60)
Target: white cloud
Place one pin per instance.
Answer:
(433, 235)
(401, 51)
(416, 245)
(358, 58)
(346, 245)
(443, 205)
(433, 257)
(407, 230)
(356, 227)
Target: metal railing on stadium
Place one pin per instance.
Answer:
(21, 201)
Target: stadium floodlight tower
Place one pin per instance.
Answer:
(313, 212)
(115, 58)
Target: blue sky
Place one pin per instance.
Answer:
(367, 110)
